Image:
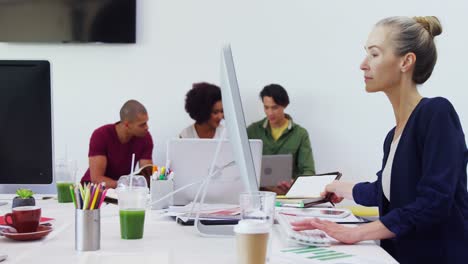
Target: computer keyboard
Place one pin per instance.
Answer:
(306, 237)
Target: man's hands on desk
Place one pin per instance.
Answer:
(281, 189)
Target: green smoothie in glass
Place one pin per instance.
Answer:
(63, 192)
(132, 223)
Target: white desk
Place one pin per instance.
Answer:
(164, 241)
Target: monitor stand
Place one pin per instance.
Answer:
(214, 230)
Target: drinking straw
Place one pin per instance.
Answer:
(66, 154)
(131, 170)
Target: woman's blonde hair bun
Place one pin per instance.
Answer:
(430, 23)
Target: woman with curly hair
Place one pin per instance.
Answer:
(203, 104)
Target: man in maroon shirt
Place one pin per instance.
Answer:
(111, 146)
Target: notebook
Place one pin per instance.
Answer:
(305, 191)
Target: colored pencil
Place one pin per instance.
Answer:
(96, 193)
(73, 195)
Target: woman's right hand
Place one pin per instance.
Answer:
(338, 190)
(342, 233)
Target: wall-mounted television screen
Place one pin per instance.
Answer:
(108, 21)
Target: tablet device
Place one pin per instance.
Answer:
(275, 169)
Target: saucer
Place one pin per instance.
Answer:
(41, 232)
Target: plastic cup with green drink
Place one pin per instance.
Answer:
(133, 199)
(64, 178)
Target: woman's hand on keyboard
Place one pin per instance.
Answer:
(344, 234)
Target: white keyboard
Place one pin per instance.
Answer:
(306, 237)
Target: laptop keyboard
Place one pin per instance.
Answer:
(306, 237)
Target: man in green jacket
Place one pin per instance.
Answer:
(280, 135)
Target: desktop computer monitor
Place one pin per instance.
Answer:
(235, 121)
(235, 125)
(26, 127)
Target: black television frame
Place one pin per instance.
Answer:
(39, 77)
(68, 21)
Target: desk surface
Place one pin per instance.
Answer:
(164, 241)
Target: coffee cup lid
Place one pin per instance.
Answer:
(250, 226)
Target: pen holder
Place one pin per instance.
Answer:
(159, 189)
(87, 230)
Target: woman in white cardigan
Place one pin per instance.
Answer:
(203, 104)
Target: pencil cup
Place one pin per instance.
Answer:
(159, 189)
(87, 230)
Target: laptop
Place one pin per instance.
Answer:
(276, 168)
(191, 159)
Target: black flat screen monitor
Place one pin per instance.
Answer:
(108, 21)
(25, 123)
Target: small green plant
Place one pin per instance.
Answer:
(24, 193)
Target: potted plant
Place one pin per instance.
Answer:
(24, 198)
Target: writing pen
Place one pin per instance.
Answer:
(329, 195)
(328, 199)
(354, 223)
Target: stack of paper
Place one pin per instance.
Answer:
(208, 212)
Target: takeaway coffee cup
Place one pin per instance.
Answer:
(252, 241)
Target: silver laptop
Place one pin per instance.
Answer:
(276, 168)
(191, 159)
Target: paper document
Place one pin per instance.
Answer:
(227, 212)
(95, 257)
(205, 208)
(319, 212)
(322, 255)
(309, 187)
(302, 213)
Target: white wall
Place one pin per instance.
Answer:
(313, 48)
